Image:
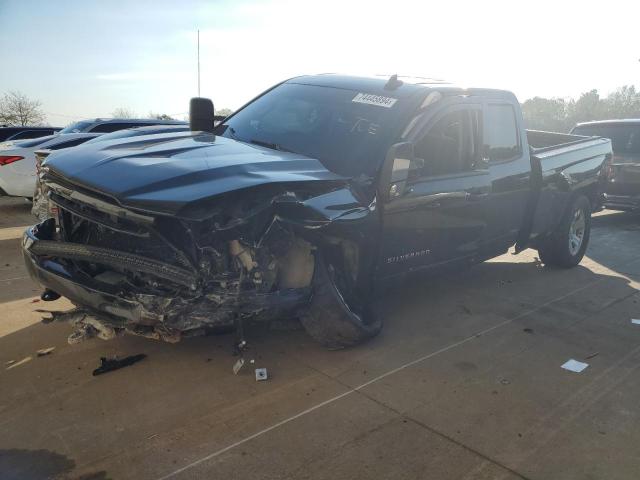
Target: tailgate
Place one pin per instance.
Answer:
(624, 176)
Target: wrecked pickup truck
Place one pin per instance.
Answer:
(303, 204)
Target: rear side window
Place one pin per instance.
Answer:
(69, 144)
(624, 138)
(31, 134)
(501, 133)
(115, 126)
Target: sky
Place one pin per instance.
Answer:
(86, 58)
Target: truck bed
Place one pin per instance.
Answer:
(557, 151)
(561, 164)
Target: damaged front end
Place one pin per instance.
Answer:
(248, 256)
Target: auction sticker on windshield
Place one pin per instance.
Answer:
(378, 100)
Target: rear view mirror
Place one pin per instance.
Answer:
(395, 171)
(201, 116)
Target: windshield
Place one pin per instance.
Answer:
(625, 139)
(76, 127)
(348, 131)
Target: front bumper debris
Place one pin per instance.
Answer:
(105, 310)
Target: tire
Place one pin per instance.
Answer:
(329, 320)
(567, 245)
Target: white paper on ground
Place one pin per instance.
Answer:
(574, 365)
(635, 321)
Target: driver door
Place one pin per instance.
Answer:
(440, 218)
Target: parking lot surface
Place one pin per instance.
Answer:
(465, 382)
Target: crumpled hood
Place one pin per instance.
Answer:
(164, 173)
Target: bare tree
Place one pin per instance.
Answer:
(224, 112)
(16, 109)
(159, 116)
(123, 112)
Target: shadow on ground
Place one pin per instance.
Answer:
(615, 237)
(626, 220)
(16, 464)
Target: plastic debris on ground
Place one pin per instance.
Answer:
(238, 366)
(635, 321)
(21, 362)
(45, 351)
(110, 364)
(261, 374)
(574, 366)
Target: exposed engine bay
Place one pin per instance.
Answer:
(167, 278)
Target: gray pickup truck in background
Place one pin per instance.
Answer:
(304, 203)
(622, 190)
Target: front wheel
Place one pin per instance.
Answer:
(329, 319)
(568, 244)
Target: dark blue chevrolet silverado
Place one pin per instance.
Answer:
(302, 204)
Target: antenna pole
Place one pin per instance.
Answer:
(198, 62)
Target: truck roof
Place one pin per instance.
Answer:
(620, 121)
(377, 85)
(135, 120)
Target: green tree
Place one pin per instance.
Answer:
(545, 114)
(623, 103)
(556, 114)
(589, 106)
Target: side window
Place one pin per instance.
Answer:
(502, 133)
(30, 134)
(451, 145)
(69, 144)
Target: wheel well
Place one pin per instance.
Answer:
(591, 192)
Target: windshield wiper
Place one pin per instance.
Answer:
(272, 146)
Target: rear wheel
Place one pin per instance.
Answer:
(567, 245)
(329, 319)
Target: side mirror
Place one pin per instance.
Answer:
(395, 171)
(201, 116)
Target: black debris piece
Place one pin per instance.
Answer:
(49, 295)
(110, 364)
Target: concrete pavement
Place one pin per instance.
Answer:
(463, 383)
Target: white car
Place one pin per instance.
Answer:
(18, 161)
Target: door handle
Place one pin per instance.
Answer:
(476, 197)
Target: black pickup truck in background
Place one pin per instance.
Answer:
(303, 203)
(622, 190)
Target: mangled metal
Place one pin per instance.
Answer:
(166, 278)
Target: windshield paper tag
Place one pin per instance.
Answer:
(370, 99)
